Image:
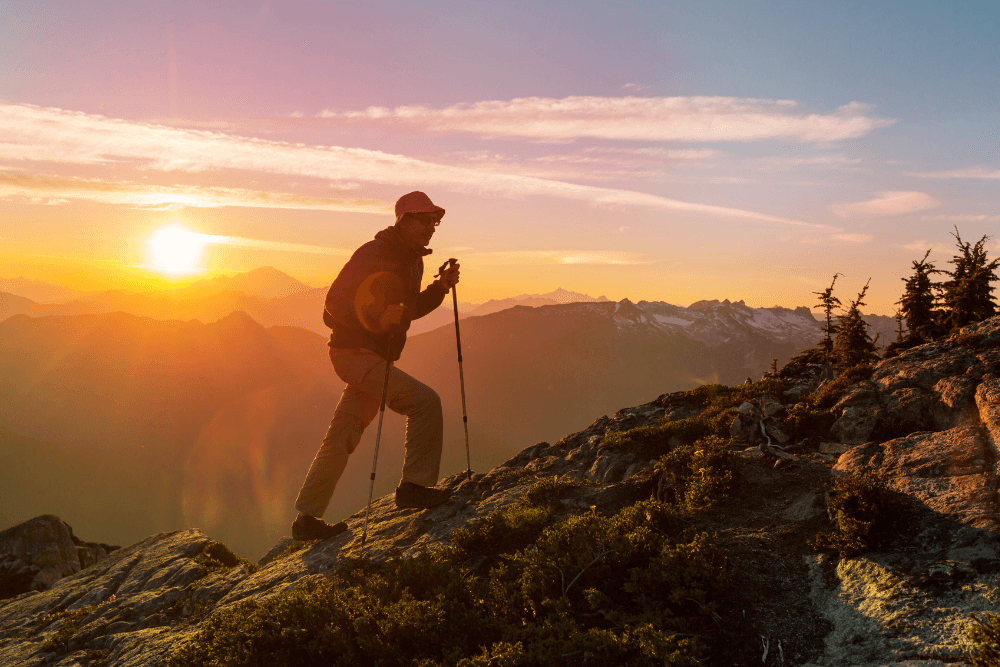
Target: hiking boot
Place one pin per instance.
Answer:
(414, 496)
(310, 528)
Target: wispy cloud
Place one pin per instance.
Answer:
(886, 204)
(261, 244)
(923, 245)
(962, 217)
(537, 257)
(61, 190)
(974, 172)
(650, 152)
(814, 239)
(53, 135)
(807, 161)
(632, 118)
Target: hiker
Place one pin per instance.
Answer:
(369, 308)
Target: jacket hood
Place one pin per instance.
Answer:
(390, 235)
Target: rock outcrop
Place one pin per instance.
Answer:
(37, 553)
(927, 421)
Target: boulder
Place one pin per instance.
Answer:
(45, 545)
(949, 472)
(37, 553)
(924, 366)
(957, 401)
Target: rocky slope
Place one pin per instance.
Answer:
(928, 421)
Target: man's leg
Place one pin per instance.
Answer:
(424, 422)
(354, 412)
(424, 429)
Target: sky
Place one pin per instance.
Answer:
(670, 151)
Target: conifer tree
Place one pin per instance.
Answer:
(899, 326)
(968, 296)
(918, 301)
(853, 345)
(827, 301)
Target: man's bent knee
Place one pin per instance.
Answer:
(346, 430)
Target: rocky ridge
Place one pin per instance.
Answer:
(928, 421)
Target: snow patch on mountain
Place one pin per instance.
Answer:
(715, 323)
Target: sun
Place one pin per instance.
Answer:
(175, 250)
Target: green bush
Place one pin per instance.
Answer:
(71, 623)
(500, 532)
(514, 527)
(985, 636)
(865, 515)
(804, 420)
(719, 405)
(698, 475)
(550, 489)
(629, 589)
(216, 556)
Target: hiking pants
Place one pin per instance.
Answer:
(364, 373)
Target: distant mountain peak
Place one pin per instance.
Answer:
(264, 282)
(560, 295)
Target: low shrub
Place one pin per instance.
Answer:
(804, 420)
(719, 405)
(216, 556)
(698, 475)
(865, 515)
(500, 532)
(985, 636)
(514, 527)
(550, 489)
(71, 623)
(629, 589)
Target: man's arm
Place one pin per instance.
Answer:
(429, 299)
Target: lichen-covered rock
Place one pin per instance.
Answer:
(949, 471)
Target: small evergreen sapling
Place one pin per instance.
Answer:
(968, 296)
(827, 301)
(853, 345)
(918, 303)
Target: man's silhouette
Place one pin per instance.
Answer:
(369, 308)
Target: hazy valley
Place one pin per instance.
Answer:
(140, 422)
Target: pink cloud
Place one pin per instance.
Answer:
(886, 204)
(38, 134)
(631, 118)
(975, 172)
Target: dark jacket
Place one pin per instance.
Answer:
(380, 273)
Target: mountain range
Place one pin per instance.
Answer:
(220, 418)
(273, 298)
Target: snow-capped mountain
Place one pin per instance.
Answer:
(726, 321)
(532, 373)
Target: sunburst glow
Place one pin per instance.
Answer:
(175, 250)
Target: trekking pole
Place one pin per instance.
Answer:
(461, 373)
(378, 436)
